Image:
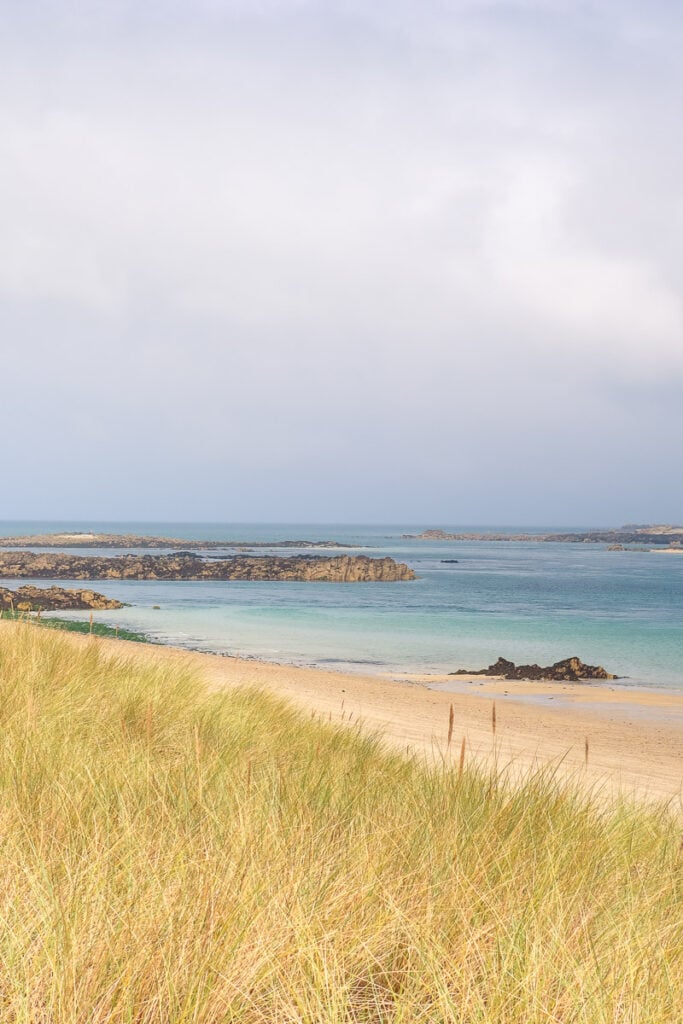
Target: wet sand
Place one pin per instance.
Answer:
(634, 736)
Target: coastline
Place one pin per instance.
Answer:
(635, 737)
(527, 603)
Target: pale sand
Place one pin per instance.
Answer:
(635, 737)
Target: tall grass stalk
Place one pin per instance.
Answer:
(170, 855)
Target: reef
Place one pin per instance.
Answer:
(189, 566)
(51, 599)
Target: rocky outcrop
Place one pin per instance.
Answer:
(571, 670)
(189, 566)
(133, 540)
(625, 535)
(51, 599)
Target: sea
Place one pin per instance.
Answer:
(472, 602)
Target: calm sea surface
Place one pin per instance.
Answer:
(527, 602)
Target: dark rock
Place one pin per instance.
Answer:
(449, 561)
(571, 670)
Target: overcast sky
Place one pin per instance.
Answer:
(345, 260)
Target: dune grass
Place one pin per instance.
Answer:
(95, 628)
(75, 625)
(169, 855)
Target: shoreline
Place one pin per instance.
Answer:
(447, 680)
(635, 737)
(417, 676)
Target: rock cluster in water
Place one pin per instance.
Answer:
(51, 599)
(188, 566)
(571, 670)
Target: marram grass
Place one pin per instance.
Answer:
(75, 625)
(174, 856)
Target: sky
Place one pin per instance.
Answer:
(332, 260)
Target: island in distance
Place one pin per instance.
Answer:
(185, 565)
(134, 540)
(671, 536)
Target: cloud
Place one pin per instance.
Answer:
(315, 229)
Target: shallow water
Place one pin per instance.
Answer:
(525, 601)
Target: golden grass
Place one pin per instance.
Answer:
(174, 856)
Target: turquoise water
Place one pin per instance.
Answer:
(527, 602)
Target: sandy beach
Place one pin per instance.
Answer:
(635, 737)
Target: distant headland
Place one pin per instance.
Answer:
(670, 537)
(134, 540)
